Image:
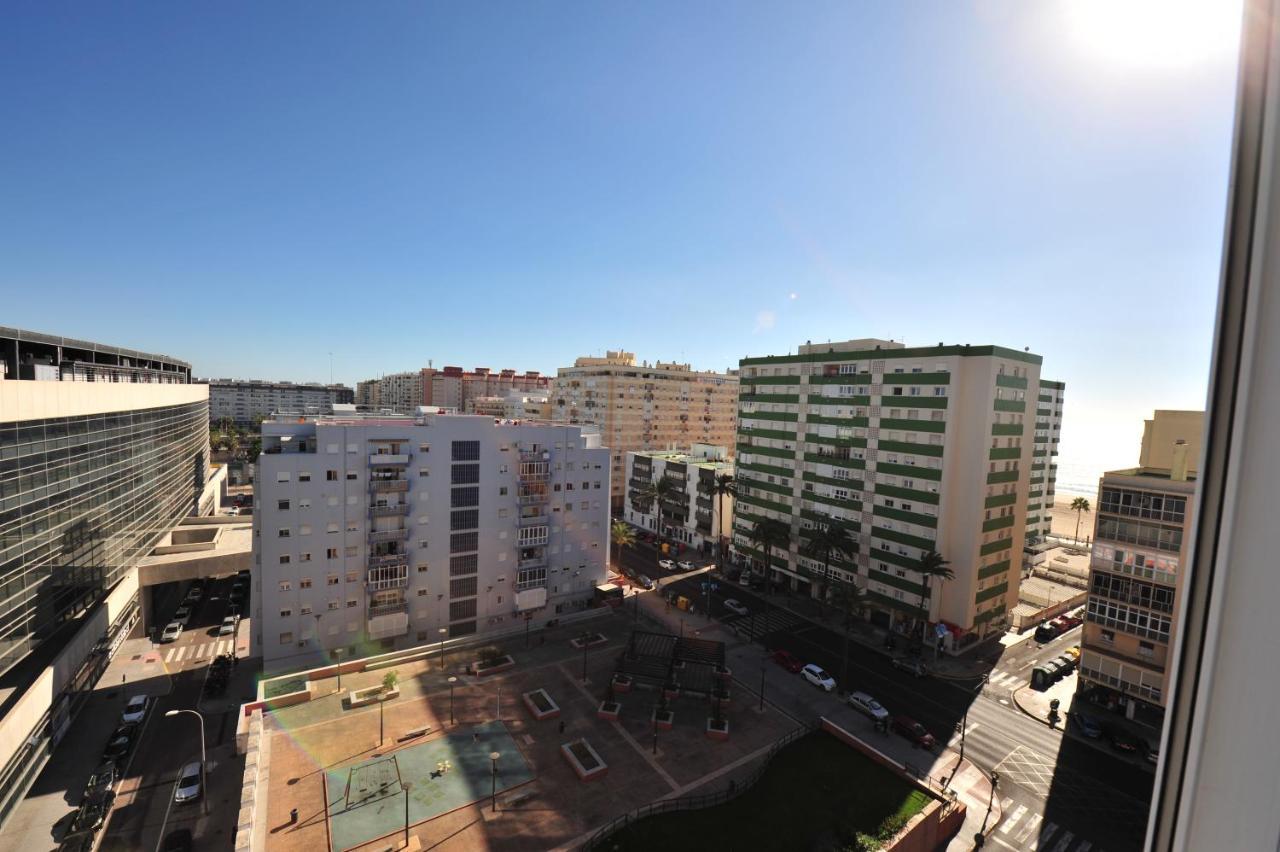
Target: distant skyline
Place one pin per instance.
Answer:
(250, 188)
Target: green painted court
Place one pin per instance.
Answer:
(366, 800)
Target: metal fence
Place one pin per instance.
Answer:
(697, 802)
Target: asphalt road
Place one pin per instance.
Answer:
(1084, 798)
(144, 813)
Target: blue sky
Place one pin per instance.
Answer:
(253, 186)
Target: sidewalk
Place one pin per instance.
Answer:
(1036, 705)
(788, 693)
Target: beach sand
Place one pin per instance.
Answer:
(1064, 518)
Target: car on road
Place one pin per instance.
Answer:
(104, 778)
(1074, 652)
(787, 660)
(195, 593)
(914, 731)
(910, 665)
(684, 565)
(182, 615)
(819, 678)
(735, 606)
(234, 510)
(93, 812)
(1125, 742)
(666, 565)
(1046, 633)
(865, 704)
(177, 841)
(134, 710)
(228, 625)
(644, 581)
(120, 743)
(1086, 725)
(188, 787)
(171, 632)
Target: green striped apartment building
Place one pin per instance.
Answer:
(945, 448)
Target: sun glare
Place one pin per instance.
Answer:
(1154, 34)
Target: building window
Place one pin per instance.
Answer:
(331, 580)
(352, 603)
(282, 476)
(284, 585)
(331, 553)
(331, 475)
(284, 532)
(304, 557)
(304, 477)
(462, 498)
(465, 519)
(286, 613)
(284, 560)
(286, 638)
(304, 583)
(333, 605)
(304, 610)
(282, 505)
(465, 474)
(460, 542)
(351, 475)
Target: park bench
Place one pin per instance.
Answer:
(415, 732)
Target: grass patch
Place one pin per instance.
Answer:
(815, 788)
(284, 686)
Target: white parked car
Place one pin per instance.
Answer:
(734, 605)
(816, 676)
(183, 615)
(228, 626)
(172, 632)
(685, 565)
(666, 565)
(188, 789)
(195, 593)
(864, 703)
(134, 710)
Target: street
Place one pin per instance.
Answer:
(1062, 795)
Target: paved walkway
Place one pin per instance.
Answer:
(1035, 704)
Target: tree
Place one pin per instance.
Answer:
(233, 443)
(623, 536)
(848, 597)
(767, 534)
(723, 486)
(655, 493)
(931, 565)
(1079, 506)
(824, 542)
(390, 680)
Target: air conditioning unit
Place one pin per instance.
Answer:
(501, 580)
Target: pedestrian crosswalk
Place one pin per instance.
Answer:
(756, 625)
(204, 651)
(1027, 831)
(1006, 680)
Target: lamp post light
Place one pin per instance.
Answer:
(204, 762)
(964, 724)
(493, 775)
(528, 619)
(452, 683)
(762, 668)
(407, 787)
(337, 655)
(381, 700)
(443, 631)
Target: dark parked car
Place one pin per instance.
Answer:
(82, 842)
(120, 743)
(1086, 725)
(93, 813)
(787, 660)
(104, 778)
(1127, 743)
(1046, 633)
(913, 731)
(913, 666)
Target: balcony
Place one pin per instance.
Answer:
(531, 584)
(379, 459)
(535, 455)
(389, 560)
(536, 472)
(387, 583)
(388, 620)
(533, 562)
(388, 511)
(382, 536)
(533, 536)
(532, 520)
(532, 499)
(388, 486)
(388, 609)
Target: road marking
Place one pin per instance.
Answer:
(1005, 845)
(1085, 846)
(1008, 824)
(968, 732)
(168, 658)
(1046, 835)
(1029, 829)
(1064, 842)
(182, 652)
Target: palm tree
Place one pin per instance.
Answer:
(1079, 506)
(824, 542)
(848, 597)
(767, 534)
(723, 486)
(623, 536)
(931, 565)
(655, 493)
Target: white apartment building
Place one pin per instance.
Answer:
(376, 532)
(244, 402)
(645, 406)
(693, 516)
(400, 392)
(909, 450)
(1044, 471)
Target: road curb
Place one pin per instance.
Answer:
(1028, 712)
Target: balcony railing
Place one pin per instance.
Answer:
(388, 486)
(535, 455)
(532, 499)
(388, 511)
(388, 609)
(381, 536)
(386, 583)
(531, 584)
(377, 459)
(388, 560)
(532, 562)
(540, 476)
(531, 520)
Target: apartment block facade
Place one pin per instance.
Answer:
(692, 515)
(1044, 471)
(380, 531)
(1140, 551)
(909, 450)
(102, 450)
(245, 402)
(645, 407)
(453, 387)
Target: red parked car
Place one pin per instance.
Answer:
(913, 731)
(787, 661)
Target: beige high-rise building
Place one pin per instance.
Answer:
(645, 406)
(1141, 535)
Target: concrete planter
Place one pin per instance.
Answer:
(370, 695)
(621, 683)
(609, 710)
(540, 705)
(717, 731)
(589, 642)
(500, 664)
(670, 693)
(663, 719)
(586, 763)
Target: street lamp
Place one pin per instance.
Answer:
(337, 654)
(204, 762)
(452, 682)
(382, 698)
(964, 725)
(407, 787)
(493, 764)
(443, 632)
